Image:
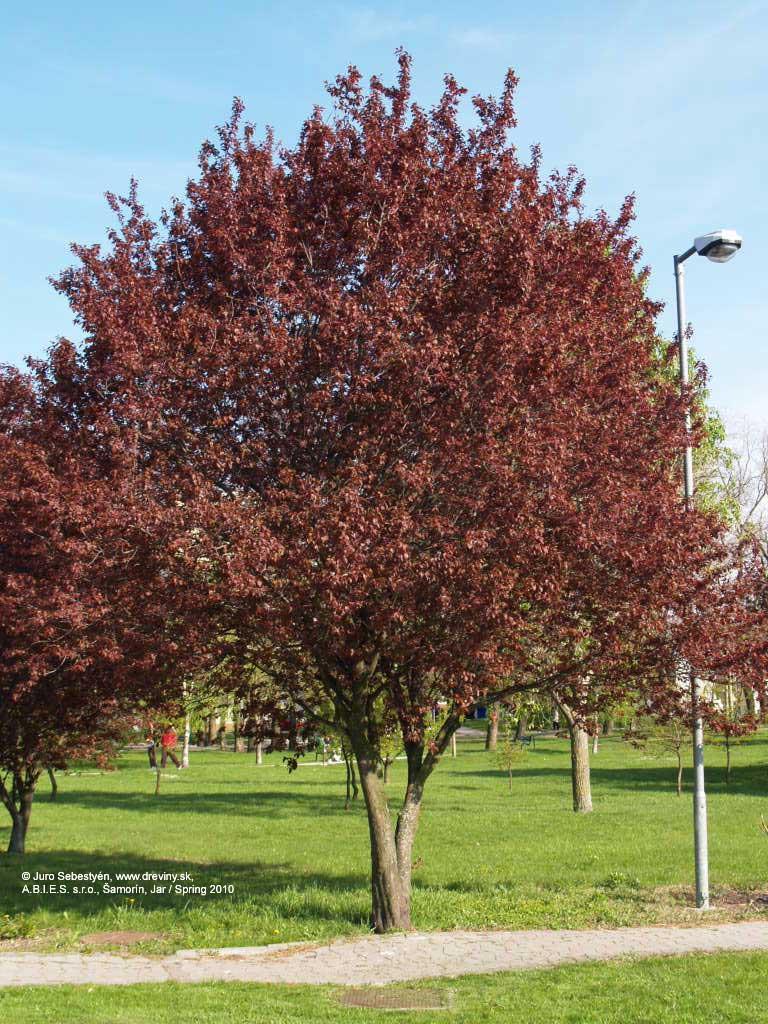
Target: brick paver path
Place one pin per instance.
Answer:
(379, 960)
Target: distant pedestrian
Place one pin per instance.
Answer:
(168, 742)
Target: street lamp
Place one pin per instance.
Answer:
(719, 247)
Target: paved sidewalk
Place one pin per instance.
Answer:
(379, 960)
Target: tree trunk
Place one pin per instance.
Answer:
(492, 733)
(54, 783)
(259, 752)
(522, 726)
(390, 898)
(222, 737)
(453, 745)
(157, 780)
(727, 760)
(679, 773)
(392, 849)
(18, 841)
(349, 783)
(237, 720)
(582, 789)
(385, 770)
(608, 727)
(210, 731)
(408, 818)
(580, 780)
(185, 745)
(596, 738)
(19, 805)
(510, 780)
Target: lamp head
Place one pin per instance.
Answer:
(718, 246)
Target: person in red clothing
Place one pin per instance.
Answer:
(168, 743)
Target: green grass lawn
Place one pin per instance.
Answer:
(723, 989)
(299, 863)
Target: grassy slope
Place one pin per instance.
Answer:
(299, 862)
(686, 990)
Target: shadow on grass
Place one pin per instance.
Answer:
(746, 780)
(272, 804)
(258, 885)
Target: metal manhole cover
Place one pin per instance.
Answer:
(397, 998)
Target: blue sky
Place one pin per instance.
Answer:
(666, 101)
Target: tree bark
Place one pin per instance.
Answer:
(259, 752)
(19, 805)
(522, 726)
(679, 773)
(596, 738)
(580, 779)
(410, 812)
(453, 745)
(392, 848)
(608, 727)
(54, 783)
(492, 732)
(390, 898)
(185, 746)
(239, 742)
(349, 783)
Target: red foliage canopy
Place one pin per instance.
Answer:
(82, 637)
(409, 395)
(400, 399)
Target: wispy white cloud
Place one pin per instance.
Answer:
(483, 38)
(365, 24)
(84, 177)
(12, 225)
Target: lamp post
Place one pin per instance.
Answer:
(719, 247)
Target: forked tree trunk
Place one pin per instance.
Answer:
(390, 898)
(580, 780)
(392, 848)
